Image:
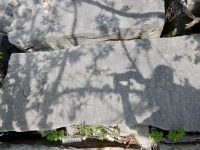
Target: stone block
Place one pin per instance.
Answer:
(58, 24)
(8, 146)
(6, 14)
(145, 81)
(179, 146)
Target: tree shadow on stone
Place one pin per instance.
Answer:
(79, 87)
(162, 103)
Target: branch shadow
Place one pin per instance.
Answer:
(51, 31)
(76, 83)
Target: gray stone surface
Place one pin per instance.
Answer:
(179, 147)
(6, 14)
(8, 7)
(146, 81)
(7, 146)
(46, 147)
(59, 24)
(184, 139)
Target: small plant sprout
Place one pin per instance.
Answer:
(131, 127)
(176, 134)
(97, 130)
(102, 136)
(156, 136)
(83, 129)
(0, 55)
(117, 132)
(52, 135)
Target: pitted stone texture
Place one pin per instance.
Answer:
(147, 81)
(179, 146)
(8, 7)
(59, 24)
(184, 139)
(6, 14)
(8, 146)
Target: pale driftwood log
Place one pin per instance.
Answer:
(196, 20)
(189, 14)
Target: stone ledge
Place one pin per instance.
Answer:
(63, 24)
(148, 81)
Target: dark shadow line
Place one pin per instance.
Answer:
(121, 13)
(74, 24)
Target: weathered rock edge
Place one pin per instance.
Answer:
(63, 24)
(147, 81)
(8, 146)
(6, 14)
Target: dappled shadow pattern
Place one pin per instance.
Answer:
(133, 82)
(107, 83)
(63, 24)
(175, 104)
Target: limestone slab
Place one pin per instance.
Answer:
(179, 146)
(57, 24)
(8, 146)
(6, 14)
(146, 81)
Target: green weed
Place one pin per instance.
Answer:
(117, 132)
(0, 55)
(156, 136)
(87, 130)
(131, 127)
(176, 134)
(52, 135)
